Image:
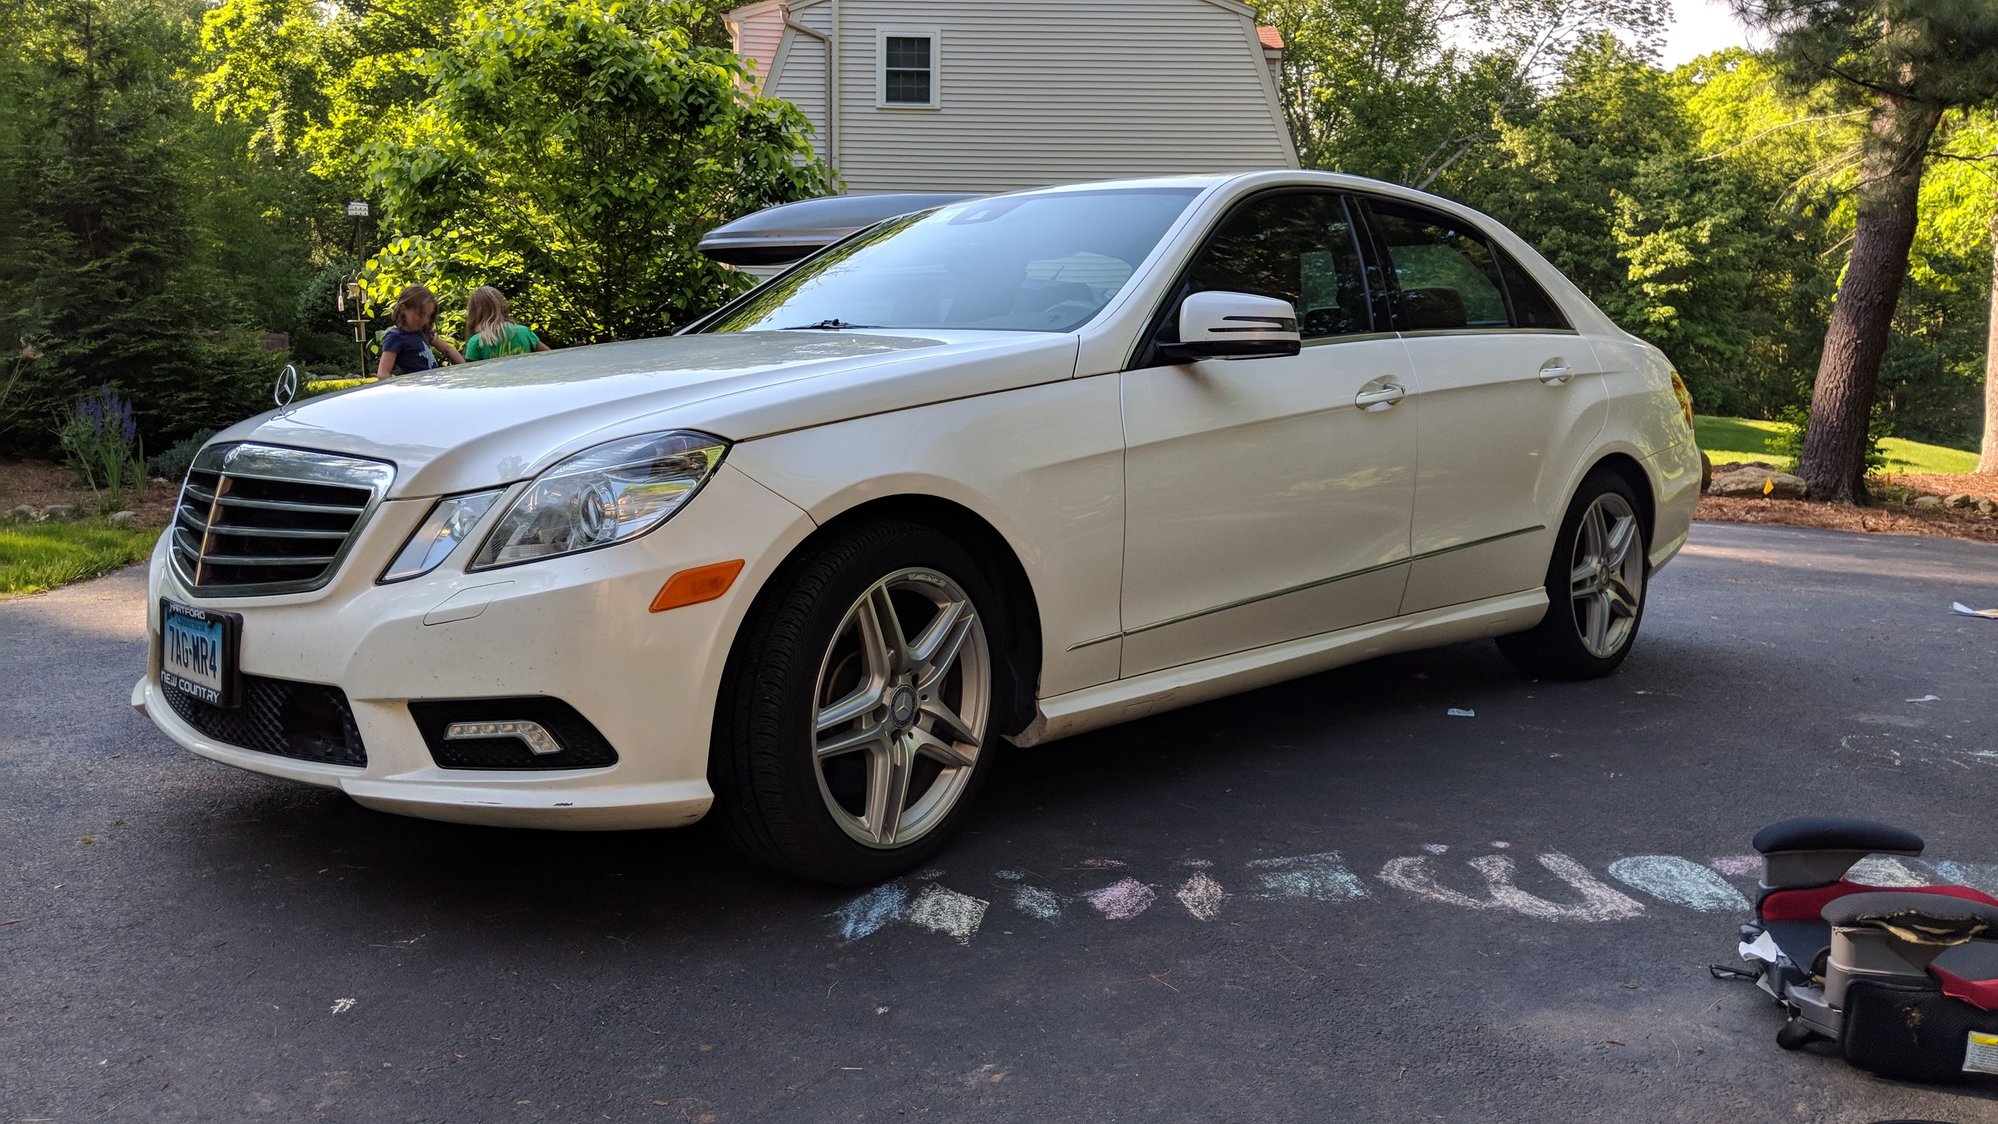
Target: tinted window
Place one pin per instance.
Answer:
(1446, 272)
(1035, 263)
(1295, 247)
(1531, 306)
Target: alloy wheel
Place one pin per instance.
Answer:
(901, 706)
(1606, 580)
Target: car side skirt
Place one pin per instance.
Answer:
(1076, 712)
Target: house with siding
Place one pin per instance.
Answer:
(994, 95)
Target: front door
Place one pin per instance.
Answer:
(1269, 499)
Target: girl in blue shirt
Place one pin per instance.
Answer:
(413, 345)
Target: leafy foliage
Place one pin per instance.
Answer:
(572, 153)
(115, 269)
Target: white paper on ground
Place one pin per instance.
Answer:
(1763, 949)
(1964, 610)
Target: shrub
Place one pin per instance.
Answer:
(179, 457)
(1789, 443)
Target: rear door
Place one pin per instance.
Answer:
(1511, 398)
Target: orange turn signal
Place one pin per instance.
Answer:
(691, 587)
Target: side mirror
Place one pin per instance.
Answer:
(1222, 325)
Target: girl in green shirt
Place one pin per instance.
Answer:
(489, 333)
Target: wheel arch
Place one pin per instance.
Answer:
(1020, 634)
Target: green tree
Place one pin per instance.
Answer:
(321, 80)
(1906, 63)
(1607, 177)
(1404, 90)
(105, 268)
(573, 152)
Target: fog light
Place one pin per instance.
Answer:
(530, 734)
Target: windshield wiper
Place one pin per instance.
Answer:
(833, 325)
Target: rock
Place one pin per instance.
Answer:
(123, 518)
(26, 513)
(59, 511)
(1926, 501)
(1759, 481)
(1961, 499)
(1988, 507)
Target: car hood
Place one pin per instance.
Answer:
(497, 421)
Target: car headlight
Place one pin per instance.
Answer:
(600, 496)
(449, 523)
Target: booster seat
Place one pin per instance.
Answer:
(1903, 979)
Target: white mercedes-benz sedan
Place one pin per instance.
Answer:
(1008, 469)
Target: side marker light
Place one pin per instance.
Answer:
(691, 587)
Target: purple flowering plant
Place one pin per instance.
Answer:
(101, 440)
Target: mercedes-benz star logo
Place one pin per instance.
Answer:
(286, 388)
(902, 706)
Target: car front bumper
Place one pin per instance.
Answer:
(576, 628)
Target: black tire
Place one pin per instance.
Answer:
(1558, 647)
(769, 804)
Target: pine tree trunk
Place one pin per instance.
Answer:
(1988, 460)
(1890, 182)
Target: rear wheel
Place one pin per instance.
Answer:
(854, 725)
(1595, 587)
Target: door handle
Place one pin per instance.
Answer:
(1554, 372)
(1380, 396)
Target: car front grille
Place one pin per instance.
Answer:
(258, 519)
(302, 721)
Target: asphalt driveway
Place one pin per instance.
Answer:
(1329, 900)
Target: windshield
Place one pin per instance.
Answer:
(1022, 263)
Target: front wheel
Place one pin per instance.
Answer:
(1595, 587)
(854, 726)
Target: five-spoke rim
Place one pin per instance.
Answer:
(1606, 580)
(900, 708)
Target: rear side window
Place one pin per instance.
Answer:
(1450, 276)
(1531, 306)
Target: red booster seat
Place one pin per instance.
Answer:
(1903, 979)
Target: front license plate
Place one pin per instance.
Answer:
(198, 651)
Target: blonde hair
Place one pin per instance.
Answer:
(485, 315)
(412, 297)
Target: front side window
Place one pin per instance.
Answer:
(1449, 276)
(1043, 262)
(1294, 246)
(908, 69)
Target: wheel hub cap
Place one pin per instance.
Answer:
(902, 706)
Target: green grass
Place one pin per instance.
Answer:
(39, 556)
(1745, 439)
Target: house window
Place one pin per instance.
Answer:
(908, 68)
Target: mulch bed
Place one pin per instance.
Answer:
(41, 483)
(1889, 515)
